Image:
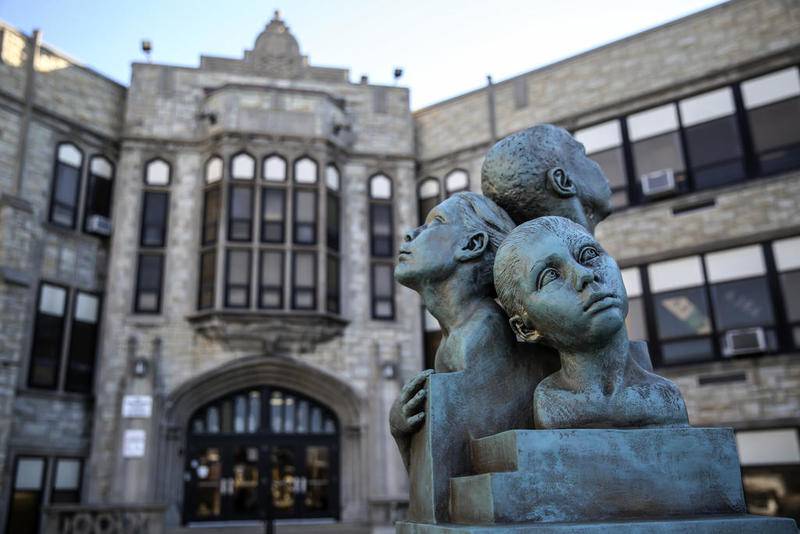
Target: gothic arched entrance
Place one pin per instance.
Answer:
(261, 450)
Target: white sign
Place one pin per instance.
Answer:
(137, 406)
(133, 443)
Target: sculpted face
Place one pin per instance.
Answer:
(429, 252)
(570, 291)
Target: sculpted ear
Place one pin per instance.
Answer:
(523, 331)
(560, 182)
(473, 247)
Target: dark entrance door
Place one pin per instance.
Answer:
(261, 451)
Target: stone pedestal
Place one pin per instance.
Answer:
(683, 480)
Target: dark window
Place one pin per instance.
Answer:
(381, 230)
(240, 213)
(305, 217)
(83, 343)
(332, 284)
(271, 280)
(66, 186)
(99, 187)
(208, 276)
(382, 291)
(148, 283)
(48, 333)
(237, 279)
(211, 203)
(26, 495)
(773, 110)
(662, 152)
(715, 153)
(332, 222)
(786, 253)
(304, 281)
(273, 214)
(66, 487)
(154, 218)
(603, 144)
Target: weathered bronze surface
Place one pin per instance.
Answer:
(611, 449)
(563, 290)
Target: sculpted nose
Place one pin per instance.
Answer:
(410, 234)
(583, 277)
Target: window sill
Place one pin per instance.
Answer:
(55, 394)
(268, 331)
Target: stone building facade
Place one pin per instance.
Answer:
(210, 247)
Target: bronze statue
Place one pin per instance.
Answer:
(544, 171)
(561, 289)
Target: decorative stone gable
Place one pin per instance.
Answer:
(276, 52)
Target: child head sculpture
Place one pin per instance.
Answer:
(544, 171)
(559, 286)
(464, 230)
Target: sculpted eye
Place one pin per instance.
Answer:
(588, 254)
(546, 276)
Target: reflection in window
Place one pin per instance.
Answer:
(773, 110)
(66, 185)
(237, 279)
(304, 275)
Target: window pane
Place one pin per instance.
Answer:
(154, 218)
(682, 313)
(425, 206)
(239, 267)
(98, 196)
(613, 165)
(658, 153)
(383, 309)
(214, 170)
(305, 217)
(157, 173)
(380, 187)
(332, 222)
(304, 281)
(288, 418)
(86, 306)
(243, 167)
(65, 194)
(275, 169)
(47, 337)
(692, 350)
(653, 122)
(456, 181)
(240, 414)
(149, 282)
(271, 294)
(790, 285)
(81, 357)
(332, 177)
(381, 222)
(273, 213)
(241, 213)
(276, 412)
(70, 154)
(302, 417)
(735, 264)
(29, 474)
(332, 284)
(600, 137)
(305, 171)
(774, 127)
(675, 274)
(208, 272)
(211, 215)
(52, 300)
(713, 142)
(254, 413)
(742, 303)
(787, 253)
(707, 107)
(771, 87)
(637, 328)
(383, 280)
(68, 474)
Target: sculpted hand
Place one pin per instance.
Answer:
(408, 411)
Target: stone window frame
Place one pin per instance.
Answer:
(57, 163)
(68, 320)
(333, 247)
(381, 260)
(46, 483)
(781, 325)
(153, 251)
(749, 155)
(91, 181)
(287, 247)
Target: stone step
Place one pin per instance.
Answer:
(280, 528)
(595, 474)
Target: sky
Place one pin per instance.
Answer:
(445, 47)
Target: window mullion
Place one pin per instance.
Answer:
(711, 312)
(784, 333)
(687, 162)
(66, 338)
(750, 159)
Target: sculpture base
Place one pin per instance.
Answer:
(737, 524)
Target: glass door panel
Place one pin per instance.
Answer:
(244, 494)
(284, 483)
(204, 485)
(318, 469)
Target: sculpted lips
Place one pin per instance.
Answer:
(601, 301)
(403, 254)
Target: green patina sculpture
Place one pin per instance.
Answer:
(561, 289)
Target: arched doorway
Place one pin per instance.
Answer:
(261, 450)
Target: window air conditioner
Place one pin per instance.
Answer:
(97, 224)
(658, 182)
(744, 341)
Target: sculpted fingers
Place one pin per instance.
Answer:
(414, 422)
(416, 403)
(411, 387)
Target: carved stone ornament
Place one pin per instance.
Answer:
(541, 416)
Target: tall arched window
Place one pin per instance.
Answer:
(455, 181)
(66, 185)
(240, 198)
(381, 246)
(153, 236)
(428, 197)
(305, 202)
(212, 198)
(332, 225)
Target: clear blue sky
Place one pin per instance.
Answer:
(446, 47)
